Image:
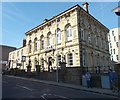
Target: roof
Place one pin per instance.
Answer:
(64, 12)
(7, 46)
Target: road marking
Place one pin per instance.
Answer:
(24, 87)
(43, 96)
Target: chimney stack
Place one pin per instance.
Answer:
(24, 42)
(85, 6)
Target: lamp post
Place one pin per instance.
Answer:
(57, 77)
(117, 12)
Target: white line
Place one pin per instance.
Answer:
(55, 96)
(25, 87)
(43, 97)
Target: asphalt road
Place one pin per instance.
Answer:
(20, 88)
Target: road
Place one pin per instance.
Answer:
(20, 88)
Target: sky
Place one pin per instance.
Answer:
(20, 17)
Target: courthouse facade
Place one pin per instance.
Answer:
(73, 36)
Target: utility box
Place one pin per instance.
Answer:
(84, 82)
(105, 82)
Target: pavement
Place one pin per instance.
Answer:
(78, 87)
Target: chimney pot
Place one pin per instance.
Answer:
(45, 20)
(85, 6)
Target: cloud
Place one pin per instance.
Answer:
(12, 12)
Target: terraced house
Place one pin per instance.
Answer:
(73, 36)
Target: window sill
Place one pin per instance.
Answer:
(68, 41)
(59, 44)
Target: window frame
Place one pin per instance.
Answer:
(58, 36)
(69, 33)
(49, 39)
(42, 42)
(70, 59)
(30, 46)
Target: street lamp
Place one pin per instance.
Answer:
(117, 11)
(57, 77)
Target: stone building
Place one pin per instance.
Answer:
(74, 36)
(4, 52)
(17, 58)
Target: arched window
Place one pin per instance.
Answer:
(49, 39)
(95, 38)
(42, 42)
(89, 37)
(30, 46)
(68, 32)
(58, 36)
(35, 45)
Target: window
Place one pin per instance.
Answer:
(49, 39)
(95, 38)
(70, 59)
(110, 45)
(111, 51)
(42, 64)
(35, 44)
(114, 51)
(112, 58)
(13, 55)
(30, 46)
(58, 36)
(69, 33)
(105, 44)
(117, 44)
(100, 42)
(114, 38)
(113, 33)
(89, 37)
(59, 58)
(42, 42)
(117, 57)
(17, 53)
(58, 20)
(82, 34)
(109, 40)
(83, 58)
(36, 61)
